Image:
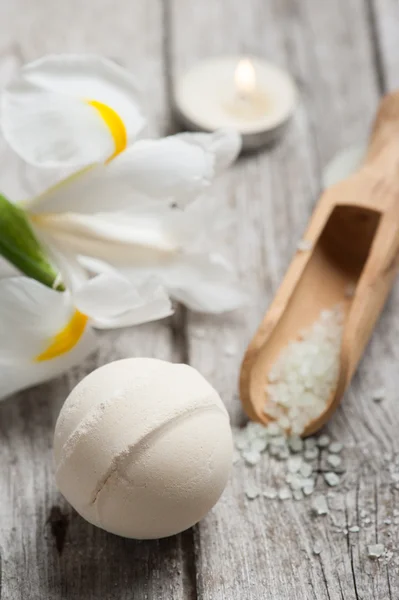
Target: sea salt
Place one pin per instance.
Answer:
(334, 460)
(317, 548)
(379, 394)
(354, 529)
(306, 469)
(335, 447)
(305, 374)
(331, 478)
(375, 550)
(323, 441)
(251, 457)
(251, 492)
(284, 494)
(319, 506)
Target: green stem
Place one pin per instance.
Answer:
(20, 246)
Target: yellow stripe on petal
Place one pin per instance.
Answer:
(114, 124)
(65, 339)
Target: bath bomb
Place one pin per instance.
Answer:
(143, 448)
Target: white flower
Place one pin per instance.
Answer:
(82, 110)
(44, 332)
(71, 110)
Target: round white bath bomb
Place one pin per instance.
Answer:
(143, 448)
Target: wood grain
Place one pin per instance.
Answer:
(263, 549)
(47, 550)
(341, 54)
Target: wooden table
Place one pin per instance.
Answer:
(343, 54)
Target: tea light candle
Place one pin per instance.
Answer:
(250, 94)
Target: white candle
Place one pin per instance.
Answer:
(250, 94)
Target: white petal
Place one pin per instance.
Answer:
(51, 130)
(343, 164)
(81, 78)
(225, 144)
(30, 314)
(204, 283)
(113, 301)
(21, 374)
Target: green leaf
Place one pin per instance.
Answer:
(20, 246)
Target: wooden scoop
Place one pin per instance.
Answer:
(353, 237)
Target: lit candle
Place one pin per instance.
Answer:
(249, 94)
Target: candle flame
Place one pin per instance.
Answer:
(245, 77)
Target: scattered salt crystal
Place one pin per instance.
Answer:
(306, 469)
(307, 482)
(284, 494)
(251, 457)
(294, 464)
(323, 441)
(311, 454)
(388, 521)
(345, 531)
(319, 505)
(298, 494)
(259, 444)
(251, 492)
(295, 443)
(296, 483)
(379, 394)
(375, 550)
(367, 521)
(317, 548)
(331, 479)
(270, 493)
(350, 290)
(363, 513)
(334, 460)
(354, 529)
(335, 447)
(308, 489)
(304, 245)
(273, 429)
(310, 443)
(283, 454)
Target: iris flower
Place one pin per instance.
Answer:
(132, 205)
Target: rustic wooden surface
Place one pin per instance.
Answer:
(343, 54)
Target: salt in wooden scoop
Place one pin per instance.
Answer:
(352, 240)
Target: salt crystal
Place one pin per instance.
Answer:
(294, 464)
(296, 483)
(388, 521)
(334, 460)
(354, 529)
(363, 513)
(379, 394)
(319, 505)
(345, 531)
(251, 457)
(335, 447)
(241, 442)
(284, 494)
(307, 482)
(317, 548)
(304, 245)
(283, 454)
(375, 550)
(298, 494)
(273, 429)
(270, 494)
(310, 443)
(306, 469)
(259, 444)
(331, 479)
(295, 443)
(311, 454)
(308, 490)
(323, 441)
(251, 492)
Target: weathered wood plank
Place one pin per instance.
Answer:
(263, 549)
(47, 550)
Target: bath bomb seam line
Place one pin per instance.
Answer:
(138, 447)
